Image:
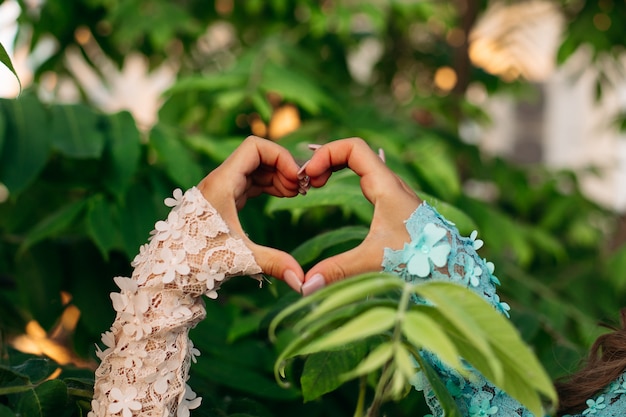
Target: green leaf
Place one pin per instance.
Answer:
(53, 224)
(46, 400)
(431, 158)
(375, 360)
(446, 401)
(229, 374)
(310, 250)
(372, 322)
(137, 218)
(322, 371)
(122, 152)
(509, 364)
(36, 369)
(6, 60)
(100, 224)
(6, 411)
(424, 332)
(378, 283)
(179, 164)
(74, 131)
(294, 87)
(335, 193)
(27, 144)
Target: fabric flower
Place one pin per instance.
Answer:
(476, 243)
(124, 402)
(178, 198)
(170, 228)
(194, 353)
(425, 249)
(172, 262)
(501, 305)
(472, 272)
(141, 256)
(189, 402)
(619, 387)
(483, 409)
(594, 405)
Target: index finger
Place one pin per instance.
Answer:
(255, 152)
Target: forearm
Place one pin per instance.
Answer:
(145, 365)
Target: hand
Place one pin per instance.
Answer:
(257, 166)
(393, 202)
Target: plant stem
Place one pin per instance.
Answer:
(381, 389)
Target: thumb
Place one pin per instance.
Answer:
(364, 258)
(278, 264)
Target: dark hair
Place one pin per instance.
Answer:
(606, 361)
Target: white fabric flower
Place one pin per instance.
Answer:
(178, 198)
(189, 402)
(124, 402)
(172, 262)
(141, 256)
(170, 228)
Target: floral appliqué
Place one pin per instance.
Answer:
(425, 249)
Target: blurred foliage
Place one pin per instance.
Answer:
(85, 186)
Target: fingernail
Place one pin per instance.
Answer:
(313, 284)
(292, 280)
(381, 154)
(302, 190)
(314, 146)
(301, 173)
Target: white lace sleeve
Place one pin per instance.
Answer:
(145, 365)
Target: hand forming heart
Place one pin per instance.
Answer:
(261, 166)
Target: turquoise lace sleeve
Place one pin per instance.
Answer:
(438, 252)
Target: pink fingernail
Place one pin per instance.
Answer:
(381, 154)
(313, 284)
(292, 280)
(314, 146)
(301, 173)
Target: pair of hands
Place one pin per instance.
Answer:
(260, 166)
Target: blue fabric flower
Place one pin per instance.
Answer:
(425, 249)
(472, 272)
(484, 409)
(594, 406)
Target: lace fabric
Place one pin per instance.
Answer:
(438, 252)
(144, 367)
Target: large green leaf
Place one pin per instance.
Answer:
(179, 163)
(137, 218)
(338, 192)
(372, 322)
(122, 152)
(101, 225)
(74, 131)
(6, 411)
(53, 224)
(241, 378)
(295, 88)
(518, 371)
(322, 371)
(46, 400)
(27, 142)
(430, 157)
(313, 248)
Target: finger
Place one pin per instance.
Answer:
(278, 264)
(356, 154)
(255, 152)
(364, 258)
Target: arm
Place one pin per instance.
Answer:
(145, 365)
(410, 239)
